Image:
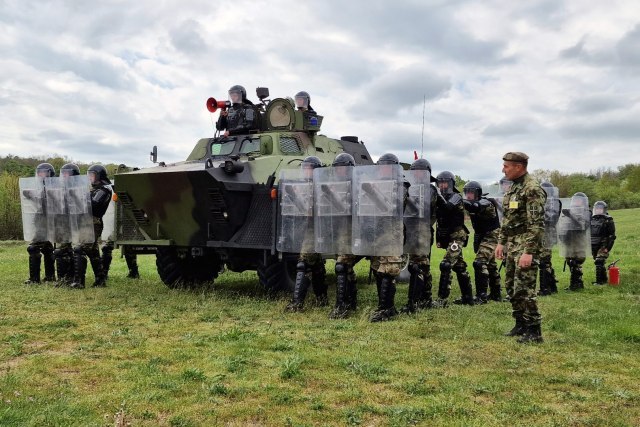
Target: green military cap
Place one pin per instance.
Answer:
(516, 156)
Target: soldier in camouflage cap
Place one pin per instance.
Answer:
(520, 242)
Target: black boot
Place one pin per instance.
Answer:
(132, 265)
(34, 265)
(553, 282)
(518, 329)
(319, 284)
(301, 287)
(601, 272)
(49, 264)
(466, 290)
(444, 286)
(575, 283)
(482, 283)
(544, 280)
(98, 273)
(341, 310)
(352, 289)
(386, 309)
(416, 282)
(533, 334)
(79, 269)
(64, 266)
(107, 257)
(495, 292)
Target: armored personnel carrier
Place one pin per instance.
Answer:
(218, 208)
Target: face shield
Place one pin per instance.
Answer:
(599, 209)
(302, 102)
(445, 186)
(235, 97)
(93, 177)
(470, 194)
(42, 173)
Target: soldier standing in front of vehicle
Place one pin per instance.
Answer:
(486, 226)
(310, 267)
(100, 195)
(452, 235)
(520, 241)
(241, 116)
(603, 234)
(40, 247)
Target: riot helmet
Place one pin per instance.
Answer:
(600, 208)
(69, 169)
(579, 200)
(472, 190)
(98, 174)
(552, 192)
(308, 165)
(303, 100)
(505, 184)
(45, 170)
(421, 164)
(344, 159)
(388, 159)
(446, 182)
(237, 94)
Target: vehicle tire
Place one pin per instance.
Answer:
(186, 271)
(277, 275)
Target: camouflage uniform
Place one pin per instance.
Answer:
(603, 234)
(522, 232)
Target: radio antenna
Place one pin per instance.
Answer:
(424, 105)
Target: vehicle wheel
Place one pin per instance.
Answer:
(277, 275)
(185, 271)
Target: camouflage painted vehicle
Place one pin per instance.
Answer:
(219, 208)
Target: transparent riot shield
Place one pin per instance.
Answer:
(552, 209)
(109, 220)
(33, 206)
(496, 192)
(333, 203)
(417, 213)
(58, 226)
(574, 229)
(295, 222)
(79, 207)
(378, 194)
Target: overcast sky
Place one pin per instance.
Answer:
(105, 81)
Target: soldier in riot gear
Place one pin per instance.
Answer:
(386, 268)
(420, 279)
(552, 209)
(573, 233)
(130, 258)
(64, 253)
(310, 267)
(39, 247)
(100, 194)
(346, 285)
(603, 234)
(241, 117)
(484, 218)
(452, 234)
(303, 102)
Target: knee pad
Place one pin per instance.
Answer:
(107, 249)
(445, 266)
(599, 262)
(33, 249)
(47, 249)
(78, 250)
(478, 265)
(301, 266)
(413, 268)
(340, 268)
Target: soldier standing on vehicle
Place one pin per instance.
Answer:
(419, 237)
(574, 228)
(603, 234)
(100, 195)
(303, 102)
(520, 241)
(240, 117)
(40, 247)
(486, 226)
(64, 253)
(310, 267)
(552, 209)
(452, 235)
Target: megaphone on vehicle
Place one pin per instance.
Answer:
(213, 105)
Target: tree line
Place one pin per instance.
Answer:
(619, 188)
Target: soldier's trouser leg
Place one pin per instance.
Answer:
(64, 263)
(319, 283)
(575, 266)
(132, 265)
(464, 280)
(79, 268)
(341, 308)
(352, 288)
(107, 257)
(524, 301)
(49, 262)
(495, 293)
(386, 308)
(510, 269)
(544, 278)
(444, 286)
(416, 292)
(303, 280)
(481, 273)
(34, 264)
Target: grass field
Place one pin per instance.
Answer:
(137, 353)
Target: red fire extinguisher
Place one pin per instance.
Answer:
(614, 273)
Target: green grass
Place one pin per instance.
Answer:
(137, 352)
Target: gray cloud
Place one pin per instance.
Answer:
(516, 126)
(628, 48)
(599, 103)
(187, 38)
